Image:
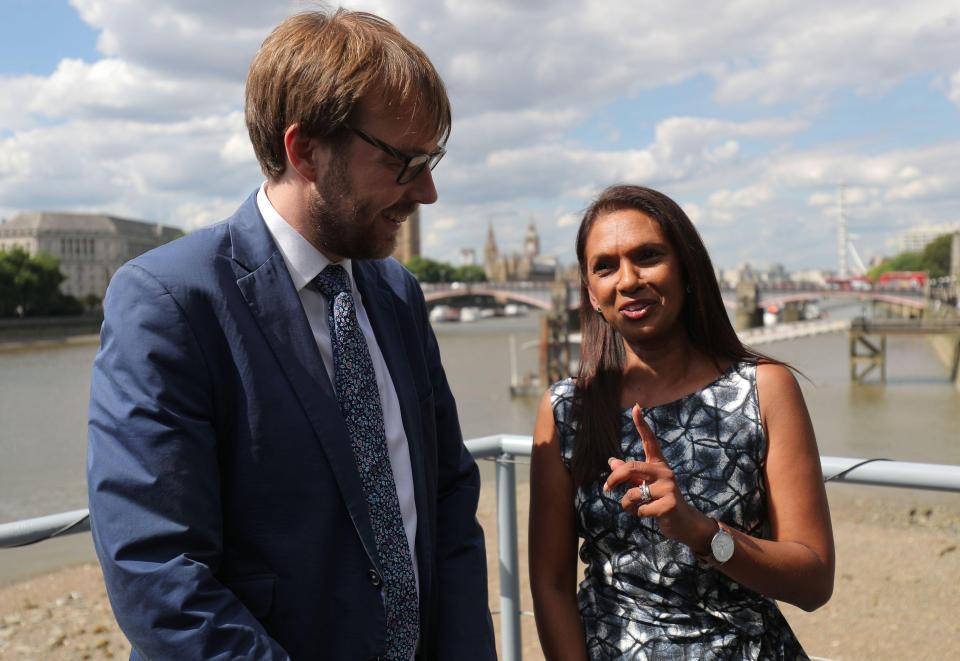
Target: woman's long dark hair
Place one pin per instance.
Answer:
(596, 404)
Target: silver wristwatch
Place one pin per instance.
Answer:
(721, 547)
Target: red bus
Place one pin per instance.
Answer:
(902, 280)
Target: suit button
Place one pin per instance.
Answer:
(374, 578)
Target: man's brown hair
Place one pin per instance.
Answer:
(315, 68)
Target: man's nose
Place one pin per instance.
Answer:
(422, 189)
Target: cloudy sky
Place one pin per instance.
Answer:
(750, 113)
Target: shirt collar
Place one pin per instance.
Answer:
(303, 260)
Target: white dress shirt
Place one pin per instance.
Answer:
(304, 262)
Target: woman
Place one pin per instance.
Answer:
(685, 461)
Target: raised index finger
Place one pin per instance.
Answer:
(651, 446)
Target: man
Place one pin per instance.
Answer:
(275, 463)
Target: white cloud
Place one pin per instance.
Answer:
(866, 46)
(754, 50)
(544, 94)
(689, 145)
(683, 148)
(115, 88)
(821, 199)
(478, 134)
(15, 95)
(444, 223)
(694, 212)
(432, 241)
(568, 220)
(237, 150)
(194, 215)
(744, 198)
(567, 53)
(953, 92)
(858, 194)
(214, 38)
(920, 187)
(142, 170)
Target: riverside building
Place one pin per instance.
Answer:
(90, 247)
(408, 239)
(529, 266)
(917, 238)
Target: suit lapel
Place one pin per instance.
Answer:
(273, 301)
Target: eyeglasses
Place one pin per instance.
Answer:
(413, 164)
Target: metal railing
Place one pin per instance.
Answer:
(504, 448)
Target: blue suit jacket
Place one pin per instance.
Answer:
(226, 507)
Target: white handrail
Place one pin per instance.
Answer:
(503, 447)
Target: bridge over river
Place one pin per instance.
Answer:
(791, 303)
(539, 294)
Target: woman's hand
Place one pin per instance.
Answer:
(677, 519)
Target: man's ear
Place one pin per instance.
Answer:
(302, 152)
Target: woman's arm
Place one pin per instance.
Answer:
(798, 567)
(553, 545)
(797, 564)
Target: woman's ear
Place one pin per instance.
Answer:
(594, 303)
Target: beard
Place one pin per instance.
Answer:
(345, 225)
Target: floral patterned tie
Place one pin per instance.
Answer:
(356, 385)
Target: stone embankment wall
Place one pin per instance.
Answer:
(43, 332)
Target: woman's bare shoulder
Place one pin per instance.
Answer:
(775, 379)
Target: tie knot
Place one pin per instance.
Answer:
(332, 281)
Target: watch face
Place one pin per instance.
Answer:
(722, 546)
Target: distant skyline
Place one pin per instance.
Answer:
(749, 114)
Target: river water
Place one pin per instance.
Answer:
(43, 404)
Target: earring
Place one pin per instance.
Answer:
(599, 311)
(689, 289)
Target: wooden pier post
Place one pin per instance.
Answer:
(792, 312)
(873, 355)
(955, 368)
(555, 336)
(748, 314)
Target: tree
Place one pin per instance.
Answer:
(91, 302)
(31, 285)
(429, 270)
(935, 260)
(905, 261)
(470, 273)
(936, 256)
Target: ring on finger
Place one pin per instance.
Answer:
(645, 496)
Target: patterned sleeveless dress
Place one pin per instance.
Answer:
(644, 596)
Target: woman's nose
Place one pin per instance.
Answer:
(629, 278)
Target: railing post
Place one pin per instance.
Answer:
(509, 565)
